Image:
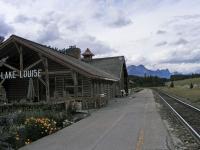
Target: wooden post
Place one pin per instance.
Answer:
(95, 89)
(127, 86)
(74, 76)
(38, 88)
(21, 58)
(47, 79)
(98, 87)
(19, 49)
(92, 87)
(82, 86)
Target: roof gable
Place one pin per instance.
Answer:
(112, 65)
(73, 63)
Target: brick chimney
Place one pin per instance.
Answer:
(87, 55)
(73, 51)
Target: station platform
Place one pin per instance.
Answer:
(129, 123)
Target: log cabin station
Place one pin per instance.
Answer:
(34, 72)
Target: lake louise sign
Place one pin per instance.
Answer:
(36, 73)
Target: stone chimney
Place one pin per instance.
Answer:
(87, 55)
(73, 51)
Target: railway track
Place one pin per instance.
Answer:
(186, 113)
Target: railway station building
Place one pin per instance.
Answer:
(34, 72)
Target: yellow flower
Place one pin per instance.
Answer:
(28, 141)
(17, 138)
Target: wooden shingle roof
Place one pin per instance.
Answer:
(73, 63)
(111, 65)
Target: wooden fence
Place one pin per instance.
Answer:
(16, 107)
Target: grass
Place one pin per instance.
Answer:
(181, 89)
(192, 95)
(186, 82)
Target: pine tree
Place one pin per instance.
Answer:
(172, 84)
(191, 86)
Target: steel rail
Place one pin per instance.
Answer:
(185, 123)
(188, 105)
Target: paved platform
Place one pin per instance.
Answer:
(125, 124)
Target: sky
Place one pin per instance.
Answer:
(156, 33)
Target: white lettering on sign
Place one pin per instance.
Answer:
(36, 73)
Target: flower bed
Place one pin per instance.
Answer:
(25, 127)
(33, 129)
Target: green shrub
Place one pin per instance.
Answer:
(171, 84)
(33, 129)
(59, 117)
(24, 127)
(36, 128)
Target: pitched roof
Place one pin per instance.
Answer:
(88, 53)
(63, 59)
(112, 65)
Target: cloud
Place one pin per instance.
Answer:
(180, 41)
(112, 16)
(23, 19)
(185, 25)
(96, 46)
(48, 34)
(161, 32)
(177, 56)
(99, 48)
(137, 59)
(161, 43)
(111, 27)
(189, 17)
(5, 28)
(73, 24)
(120, 21)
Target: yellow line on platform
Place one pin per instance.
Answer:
(140, 140)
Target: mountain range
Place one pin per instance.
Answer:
(142, 71)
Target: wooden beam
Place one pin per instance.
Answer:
(16, 46)
(19, 49)
(21, 58)
(56, 72)
(47, 79)
(42, 82)
(2, 81)
(34, 64)
(9, 66)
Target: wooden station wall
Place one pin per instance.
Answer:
(63, 81)
(61, 84)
